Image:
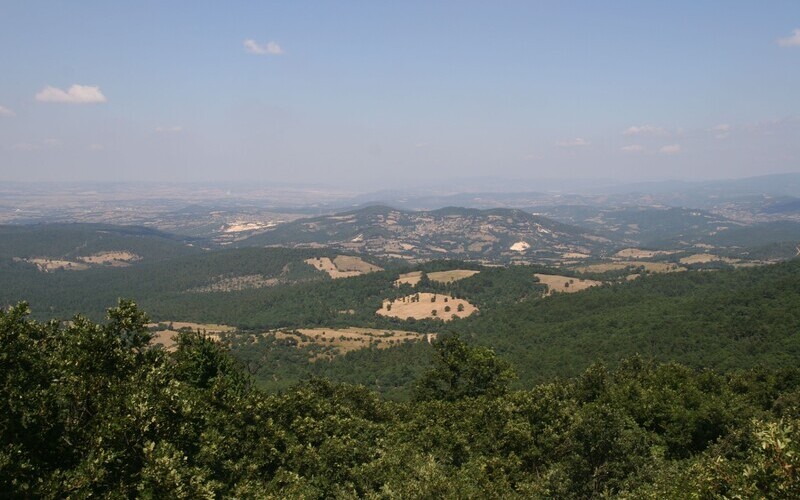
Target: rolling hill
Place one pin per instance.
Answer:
(494, 235)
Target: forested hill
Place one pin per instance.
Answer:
(90, 410)
(725, 320)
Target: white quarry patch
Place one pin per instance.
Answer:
(519, 246)
(358, 239)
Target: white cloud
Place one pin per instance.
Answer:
(721, 131)
(6, 112)
(671, 149)
(791, 41)
(52, 143)
(95, 147)
(269, 48)
(76, 94)
(169, 130)
(532, 157)
(633, 148)
(577, 142)
(645, 130)
(24, 146)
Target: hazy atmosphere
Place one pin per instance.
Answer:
(376, 93)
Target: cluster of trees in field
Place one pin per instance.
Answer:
(90, 409)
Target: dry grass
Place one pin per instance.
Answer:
(450, 276)
(705, 258)
(575, 255)
(113, 259)
(422, 305)
(411, 278)
(347, 263)
(653, 267)
(638, 253)
(565, 284)
(46, 265)
(342, 266)
(344, 340)
(166, 337)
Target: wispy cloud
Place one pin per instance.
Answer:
(95, 147)
(671, 149)
(269, 48)
(577, 142)
(76, 94)
(790, 41)
(6, 112)
(174, 129)
(650, 130)
(633, 148)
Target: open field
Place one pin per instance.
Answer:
(343, 340)
(638, 253)
(450, 276)
(113, 259)
(411, 278)
(46, 265)
(705, 258)
(426, 305)
(653, 267)
(348, 263)
(165, 336)
(566, 284)
(342, 266)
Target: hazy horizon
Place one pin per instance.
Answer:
(374, 96)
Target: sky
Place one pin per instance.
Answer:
(382, 93)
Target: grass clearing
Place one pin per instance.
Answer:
(113, 259)
(565, 284)
(46, 265)
(342, 266)
(164, 332)
(411, 278)
(426, 305)
(653, 267)
(450, 276)
(638, 253)
(343, 340)
(705, 258)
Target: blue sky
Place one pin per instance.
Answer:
(387, 92)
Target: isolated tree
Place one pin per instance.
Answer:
(463, 371)
(460, 308)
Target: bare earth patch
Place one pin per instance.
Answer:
(342, 266)
(411, 278)
(566, 284)
(426, 305)
(344, 340)
(450, 276)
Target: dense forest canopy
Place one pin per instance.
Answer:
(90, 409)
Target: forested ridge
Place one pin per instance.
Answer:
(91, 410)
